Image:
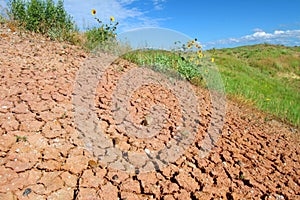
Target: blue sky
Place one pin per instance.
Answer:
(216, 23)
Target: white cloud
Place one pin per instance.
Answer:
(127, 2)
(278, 32)
(158, 4)
(257, 30)
(284, 37)
(261, 34)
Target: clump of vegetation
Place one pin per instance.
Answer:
(2, 19)
(21, 138)
(163, 60)
(188, 60)
(43, 16)
(49, 18)
(104, 37)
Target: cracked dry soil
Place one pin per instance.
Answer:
(42, 157)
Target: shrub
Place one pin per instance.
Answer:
(43, 16)
(2, 19)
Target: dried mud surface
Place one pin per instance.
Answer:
(42, 156)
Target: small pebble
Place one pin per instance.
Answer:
(115, 177)
(27, 192)
(147, 151)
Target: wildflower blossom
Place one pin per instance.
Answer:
(93, 12)
(112, 18)
(200, 54)
(198, 46)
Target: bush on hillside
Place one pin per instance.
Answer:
(43, 16)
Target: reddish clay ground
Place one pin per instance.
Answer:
(255, 158)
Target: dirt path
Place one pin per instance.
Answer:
(42, 157)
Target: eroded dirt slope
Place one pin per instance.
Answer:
(42, 157)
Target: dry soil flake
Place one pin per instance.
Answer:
(187, 182)
(43, 158)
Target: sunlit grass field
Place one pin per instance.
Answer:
(265, 76)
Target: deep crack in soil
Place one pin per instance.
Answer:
(42, 157)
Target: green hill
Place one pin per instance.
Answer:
(266, 75)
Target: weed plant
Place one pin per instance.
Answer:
(102, 37)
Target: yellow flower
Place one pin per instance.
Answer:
(197, 46)
(112, 18)
(200, 54)
(93, 12)
(189, 46)
(212, 59)
(267, 99)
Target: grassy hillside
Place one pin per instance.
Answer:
(268, 76)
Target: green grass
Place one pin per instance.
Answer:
(267, 76)
(2, 19)
(163, 60)
(177, 64)
(21, 138)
